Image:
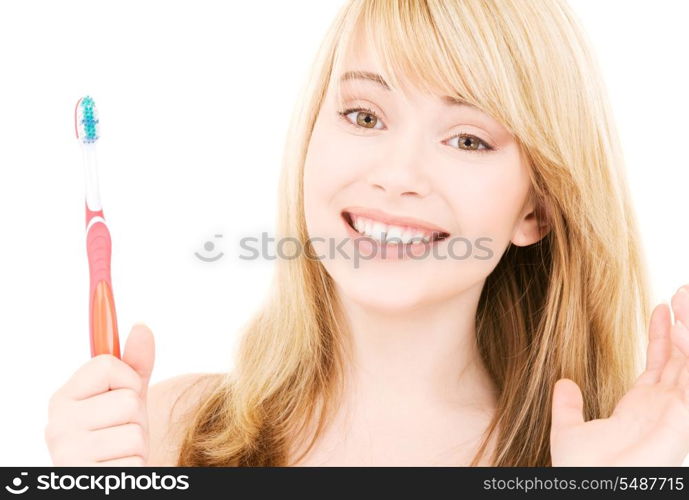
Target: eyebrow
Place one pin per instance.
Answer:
(365, 75)
(376, 78)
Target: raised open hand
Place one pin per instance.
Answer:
(650, 424)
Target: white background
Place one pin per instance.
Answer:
(194, 101)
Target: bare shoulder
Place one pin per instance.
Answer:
(169, 402)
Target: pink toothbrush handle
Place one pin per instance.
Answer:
(102, 315)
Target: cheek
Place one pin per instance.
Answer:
(327, 170)
(487, 201)
(334, 161)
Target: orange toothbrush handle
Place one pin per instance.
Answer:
(102, 314)
(104, 337)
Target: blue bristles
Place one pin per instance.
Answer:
(88, 124)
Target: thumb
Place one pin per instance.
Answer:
(568, 405)
(139, 353)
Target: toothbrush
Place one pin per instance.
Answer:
(102, 317)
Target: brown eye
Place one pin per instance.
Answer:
(365, 118)
(471, 143)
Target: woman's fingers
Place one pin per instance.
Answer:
(674, 372)
(117, 442)
(115, 407)
(100, 414)
(659, 344)
(680, 307)
(683, 378)
(567, 405)
(100, 374)
(673, 369)
(680, 337)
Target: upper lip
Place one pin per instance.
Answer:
(396, 220)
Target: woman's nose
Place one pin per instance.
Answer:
(401, 171)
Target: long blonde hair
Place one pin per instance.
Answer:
(573, 305)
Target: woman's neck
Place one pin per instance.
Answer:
(426, 357)
(415, 391)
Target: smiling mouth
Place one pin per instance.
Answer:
(391, 233)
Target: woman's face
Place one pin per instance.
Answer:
(411, 165)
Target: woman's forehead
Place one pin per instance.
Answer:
(362, 62)
(362, 66)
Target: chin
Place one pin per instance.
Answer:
(381, 294)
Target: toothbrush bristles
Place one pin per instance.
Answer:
(86, 118)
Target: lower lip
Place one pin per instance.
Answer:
(372, 249)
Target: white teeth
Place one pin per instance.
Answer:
(379, 231)
(395, 233)
(368, 227)
(389, 233)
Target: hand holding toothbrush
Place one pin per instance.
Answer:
(99, 417)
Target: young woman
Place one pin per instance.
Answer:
(512, 338)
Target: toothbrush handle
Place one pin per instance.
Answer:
(102, 315)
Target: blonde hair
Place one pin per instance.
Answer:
(574, 304)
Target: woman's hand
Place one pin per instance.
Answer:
(650, 424)
(99, 416)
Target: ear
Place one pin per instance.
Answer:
(533, 224)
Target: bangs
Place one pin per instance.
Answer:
(428, 46)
